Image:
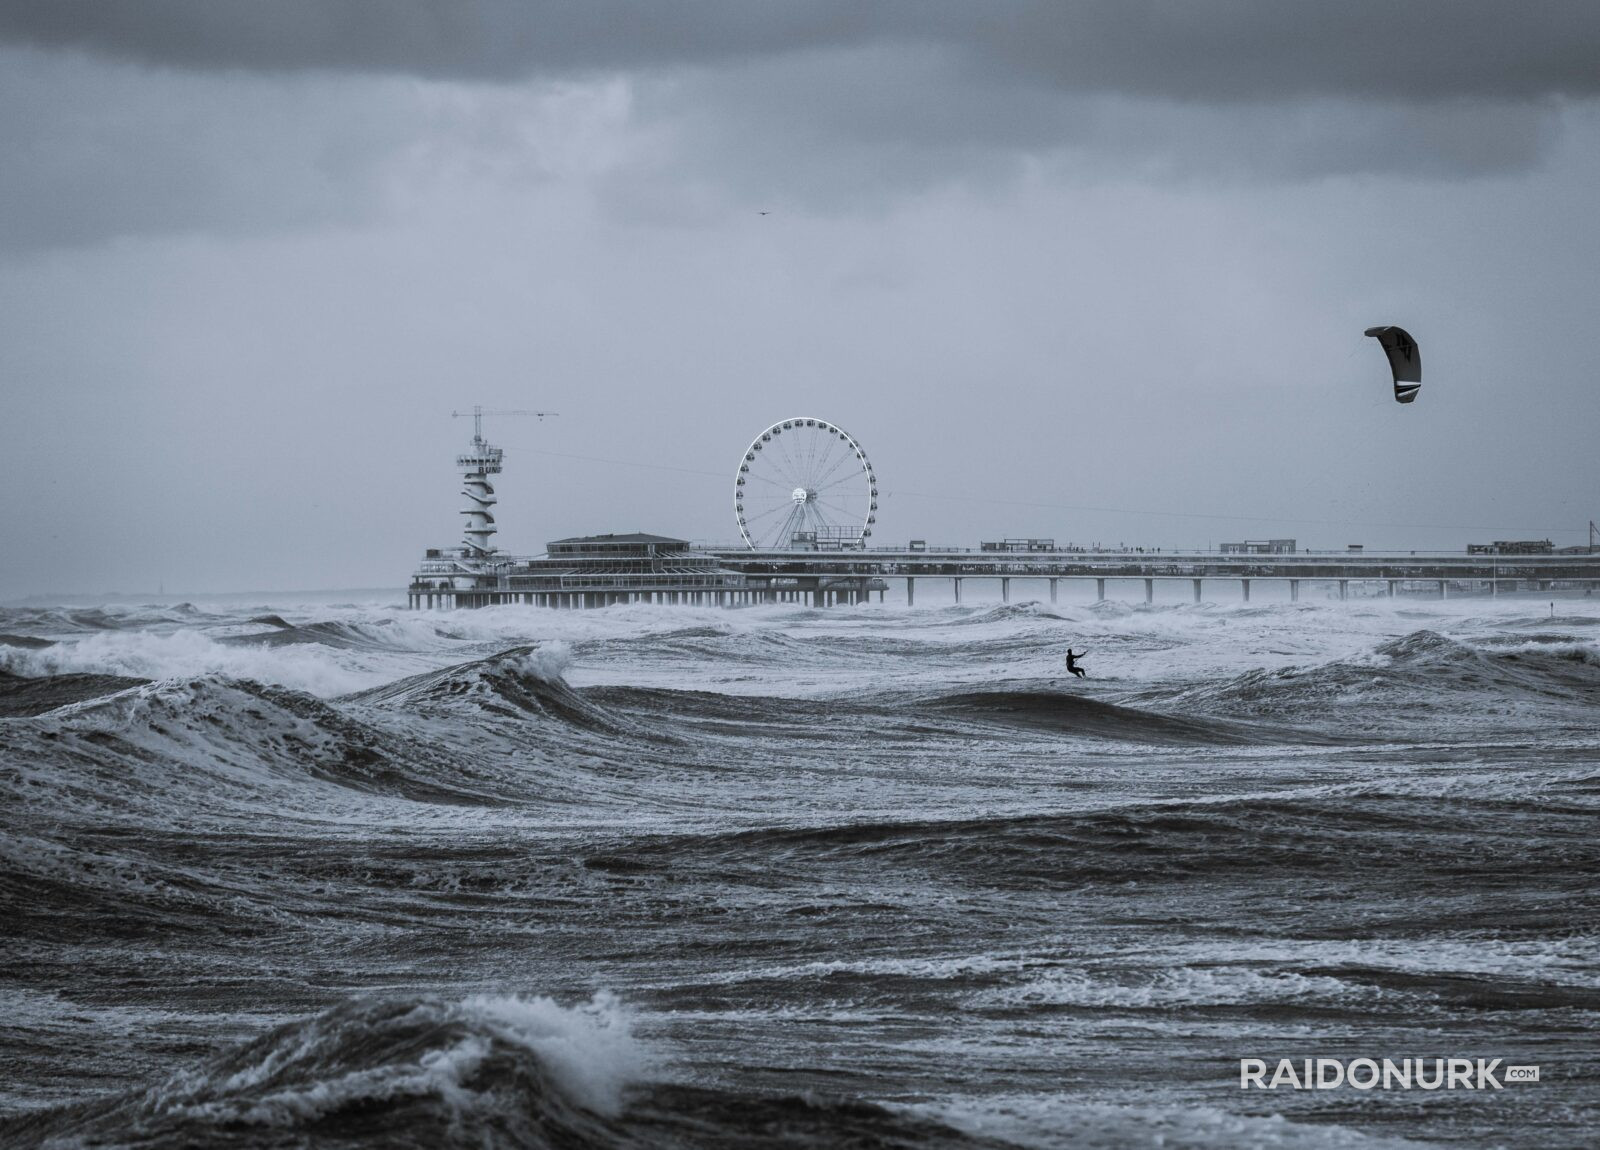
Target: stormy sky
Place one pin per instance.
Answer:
(1096, 271)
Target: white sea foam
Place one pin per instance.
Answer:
(309, 667)
(1074, 1124)
(1164, 989)
(590, 1049)
(548, 662)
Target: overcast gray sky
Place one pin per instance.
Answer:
(1097, 271)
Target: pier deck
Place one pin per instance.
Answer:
(728, 576)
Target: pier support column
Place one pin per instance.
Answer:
(911, 592)
(1099, 590)
(1053, 583)
(1294, 590)
(1391, 586)
(1245, 584)
(1197, 590)
(957, 582)
(1344, 590)
(1005, 589)
(1149, 590)
(1444, 589)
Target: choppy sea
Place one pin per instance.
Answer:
(295, 874)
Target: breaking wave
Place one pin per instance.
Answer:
(314, 668)
(175, 748)
(22, 696)
(524, 682)
(1411, 677)
(482, 1072)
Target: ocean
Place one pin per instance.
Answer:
(289, 873)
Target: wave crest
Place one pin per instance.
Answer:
(486, 1070)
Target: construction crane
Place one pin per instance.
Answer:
(477, 413)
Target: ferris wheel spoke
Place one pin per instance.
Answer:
(773, 510)
(796, 522)
(845, 478)
(821, 520)
(844, 514)
(785, 487)
(794, 467)
(764, 517)
(811, 456)
(844, 458)
(836, 456)
(785, 532)
(818, 458)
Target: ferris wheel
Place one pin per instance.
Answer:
(805, 484)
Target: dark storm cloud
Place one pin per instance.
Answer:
(236, 116)
(1225, 51)
(94, 152)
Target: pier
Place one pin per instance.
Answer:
(1445, 573)
(824, 565)
(599, 571)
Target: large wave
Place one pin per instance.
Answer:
(178, 748)
(1412, 679)
(1027, 706)
(485, 1072)
(521, 683)
(1343, 831)
(482, 1071)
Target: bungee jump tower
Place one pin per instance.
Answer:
(477, 464)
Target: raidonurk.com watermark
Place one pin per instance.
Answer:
(1382, 1074)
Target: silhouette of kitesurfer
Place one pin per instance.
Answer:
(1072, 663)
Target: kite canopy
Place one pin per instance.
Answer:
(1405, 360)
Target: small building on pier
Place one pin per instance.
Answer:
(1258, 547)
(583, 571)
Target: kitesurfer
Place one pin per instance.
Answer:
(1072, 663)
